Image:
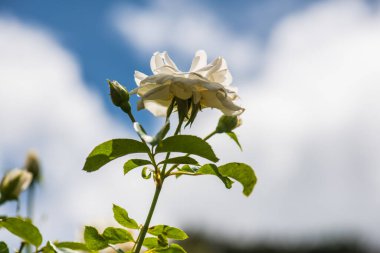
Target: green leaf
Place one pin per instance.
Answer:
(170, 232)
(187, 144)
(3, 248)
(173, 248)
(93, 239)
(233, 136)
(134, 163)
(146, 173)
(212, 169)
(150, 242)
(121, 216)
(110, 150)
(117, 235)
(72, 245)
(180, 160)
(242, 173)
(23, 229)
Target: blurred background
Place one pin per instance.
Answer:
(308, 74)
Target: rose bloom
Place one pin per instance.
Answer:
(205, 85)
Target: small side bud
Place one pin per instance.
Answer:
(228, 123)
(32, 165)
(119, 96)
(13, 183)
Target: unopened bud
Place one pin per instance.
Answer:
(119, 95)
(228, 123)
(33, 165)
(13, 183)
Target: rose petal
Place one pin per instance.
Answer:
(169, 62)
(199, 61)
(157, 107)
(139, 76)
(161, 92)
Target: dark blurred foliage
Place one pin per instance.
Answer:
(198, 243)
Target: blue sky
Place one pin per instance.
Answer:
(307, 73)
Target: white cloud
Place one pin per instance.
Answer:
(45, 105)
(183, 28)
(310, 126)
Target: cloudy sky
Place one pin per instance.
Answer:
(308, 76)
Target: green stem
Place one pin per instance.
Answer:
(210, 135)
(178, 129)
(148, 219)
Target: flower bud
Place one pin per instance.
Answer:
(13, 183)
(119, 96)
(33, 165)
(228, 123)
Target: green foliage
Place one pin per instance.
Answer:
(134, 163)
(173, 248)
(167, 231)
(3, 247)
(72, 245)
(93, 239)
(241, 172)
(110, 150)
(180, 160)
(212, 169)
(146, 173)
(151, 242)
(23, 229)
(187, 144)
(117, 235)
(121, 216)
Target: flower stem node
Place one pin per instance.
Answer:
(227, 123)
(13, 183)
(119, 96)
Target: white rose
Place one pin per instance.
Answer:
(13, 183)
(207, 85)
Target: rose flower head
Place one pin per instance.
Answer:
(203, 86)
(13, 183)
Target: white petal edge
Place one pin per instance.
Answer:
(199, 61)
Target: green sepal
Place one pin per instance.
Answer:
(187, 144)
(134, 163)
(233, 136)
(23, 229)
(149, 139)
(212, 169)
(3, 247)
(110, 150)
(117, 235)
(169, 232)
(121, 216)
(94, 240)
(180, 160)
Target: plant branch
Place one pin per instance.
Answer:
(144, 230)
